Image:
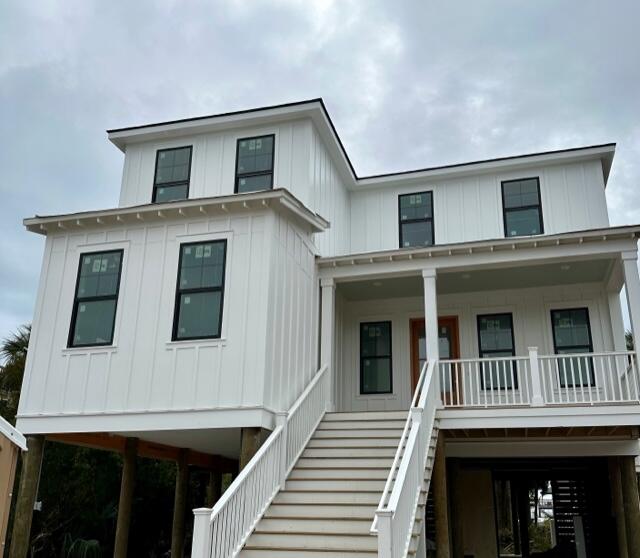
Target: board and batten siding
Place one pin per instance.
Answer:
(530, 307)
(144, 371)
(470, 208)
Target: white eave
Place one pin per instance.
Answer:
(12, 434)
(630, 232)
(279, 200)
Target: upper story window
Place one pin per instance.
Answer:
(375, 358)
(254, 164)
(495, 339)
(96, 298)
(416, 219)
(173, 170)
(200, 290)
(521, 207)
(572, 335)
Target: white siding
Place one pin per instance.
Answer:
(531, 323)
(213, 162)
(145, 371)
(470, 208)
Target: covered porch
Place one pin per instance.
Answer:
(517, 325)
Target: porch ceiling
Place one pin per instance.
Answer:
(565, 273)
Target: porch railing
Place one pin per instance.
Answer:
(396, 513)
(534, 380)
(221, 532)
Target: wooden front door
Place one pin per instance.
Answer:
(448, 339)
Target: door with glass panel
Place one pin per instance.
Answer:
(448, 344)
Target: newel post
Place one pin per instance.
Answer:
(281, 420)
(537, 400)
(201, 533)
(385, 534)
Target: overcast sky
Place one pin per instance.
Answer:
(408, 84)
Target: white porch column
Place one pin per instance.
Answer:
(632, 287)
(327, 331)
(431, 323)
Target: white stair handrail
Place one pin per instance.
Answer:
(222, 531)
(396, 513)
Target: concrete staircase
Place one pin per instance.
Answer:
(330, 497)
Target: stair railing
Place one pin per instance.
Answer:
(221, 532)
(396, 513)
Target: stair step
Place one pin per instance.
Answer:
(305, 553)
(394, 433)
(310, 525)
(349, 462)
(371, 473)
(349, 452)
(312, 541)
(323, 497)
(317, 510)
(336, 485)
(366, 415)
(361, 424)
(353, 442)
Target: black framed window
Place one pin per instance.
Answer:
(96, 298)
(200, 290)
(254, 164)
(375, 358)
(522, 208)
(173, 171)
(416, 219)
(572, 335)
(495, 339)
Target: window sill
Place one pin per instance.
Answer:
(90, 350)
(221, 342)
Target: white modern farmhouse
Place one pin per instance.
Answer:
(425, 362)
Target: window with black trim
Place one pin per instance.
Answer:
(173, 171)
(572, 335)
(522, 208)
(416, 219)
(495, 339)
(375, 358)
(96, 298)
(254, 164)
(200, 290)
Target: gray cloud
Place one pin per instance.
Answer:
(409, 84)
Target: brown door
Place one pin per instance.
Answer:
(449, 345)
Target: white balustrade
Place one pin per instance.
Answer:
(223, 531)
(535, 380)
(396, 513)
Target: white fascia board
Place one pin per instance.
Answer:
(540, 417)
(145, 421)
(502, 251)
(278, 200)
(13, 434)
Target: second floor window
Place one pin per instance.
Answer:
(96, 298)
(521, 206)
(495, 340)
(200, 291)
(416, 219)
(254, 164)
(173, 170)
(572, 335)
(375, 358)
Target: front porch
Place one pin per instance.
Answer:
(531, 338)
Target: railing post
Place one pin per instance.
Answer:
(385, 534)
(537, 399)
(281, 420)
(200, 546)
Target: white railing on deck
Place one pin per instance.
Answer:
(534, 380)
(223, 531)
(396, 513)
